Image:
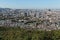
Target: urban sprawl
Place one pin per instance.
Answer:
(43, 19)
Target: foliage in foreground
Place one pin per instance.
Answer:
(17, 33)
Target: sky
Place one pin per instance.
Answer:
(30, 4)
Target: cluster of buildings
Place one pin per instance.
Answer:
(30, 18)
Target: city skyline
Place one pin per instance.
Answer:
(30, 4)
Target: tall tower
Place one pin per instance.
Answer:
(25, 14)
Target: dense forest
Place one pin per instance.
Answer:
(17, 33)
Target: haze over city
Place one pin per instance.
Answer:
(30, 4)
(29, 19)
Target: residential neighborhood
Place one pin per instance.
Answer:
(45, 19)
